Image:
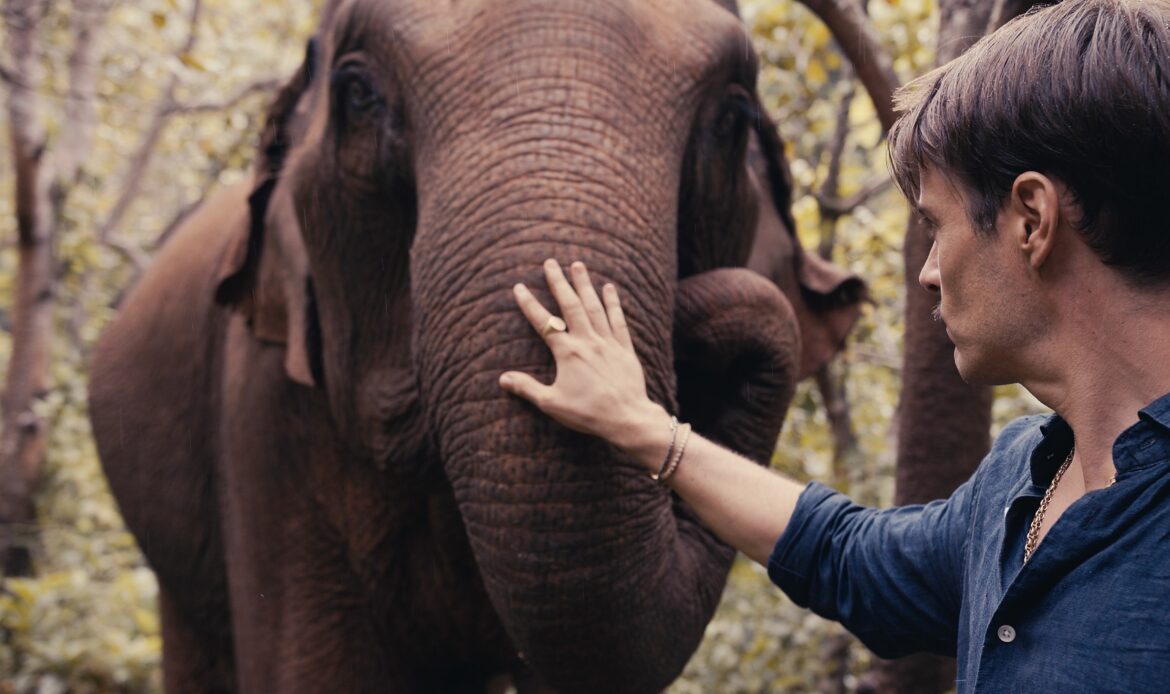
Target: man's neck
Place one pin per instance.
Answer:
(1106, 361)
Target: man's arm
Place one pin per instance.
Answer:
(746, 505)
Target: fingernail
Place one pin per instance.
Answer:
(551, 264)
(518, 288)
(506, 380)
(578, 265)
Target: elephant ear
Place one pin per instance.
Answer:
(827, 299)
(264, 275)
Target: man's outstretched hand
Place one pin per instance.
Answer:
(600, 388)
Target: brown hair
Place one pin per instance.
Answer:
(1079, 91)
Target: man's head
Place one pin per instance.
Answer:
(1079, 92)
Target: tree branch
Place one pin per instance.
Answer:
(130, 252)
(85, 21)
(142, 155)
(855, 35)
(24, 127)
(7, 75)
(265, 84)
(844, 206)
(832, 183)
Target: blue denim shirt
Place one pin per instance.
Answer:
(1089, 612)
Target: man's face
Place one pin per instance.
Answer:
(983, 286)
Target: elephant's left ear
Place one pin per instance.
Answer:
(264, 276)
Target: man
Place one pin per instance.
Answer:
(1040, 162)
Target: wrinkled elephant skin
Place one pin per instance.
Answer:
(297, 406)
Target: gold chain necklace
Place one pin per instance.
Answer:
(1038, 519)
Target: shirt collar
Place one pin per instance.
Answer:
(1157, 411)
(1053, 448)
(1058, 439)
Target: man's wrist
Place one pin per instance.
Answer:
(646, 435)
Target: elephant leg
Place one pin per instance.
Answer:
(193, 660)
(301, 619)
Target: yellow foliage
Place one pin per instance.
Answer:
(815, 72)
(192, 62)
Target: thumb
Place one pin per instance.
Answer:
(524, 386)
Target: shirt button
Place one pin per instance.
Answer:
(1006, 633)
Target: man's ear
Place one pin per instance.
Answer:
(1034, 214)
(264, 276)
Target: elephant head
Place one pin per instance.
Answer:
(432, 154)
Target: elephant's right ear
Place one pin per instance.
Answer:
(264, 276)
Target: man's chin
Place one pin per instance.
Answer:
(978, 372)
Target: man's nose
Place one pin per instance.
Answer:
(928, 276)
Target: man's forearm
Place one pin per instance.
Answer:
(746, 505)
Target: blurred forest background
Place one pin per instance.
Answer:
(134, 111)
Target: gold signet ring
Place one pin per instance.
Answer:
(553, 325)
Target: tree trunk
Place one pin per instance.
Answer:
(22, 438)
(22, 441)
(42, 186)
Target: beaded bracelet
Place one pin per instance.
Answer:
(682, 449)
(669, 451)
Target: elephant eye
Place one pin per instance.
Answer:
(734, 112)
(354, 91)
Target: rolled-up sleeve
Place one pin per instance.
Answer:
(892, 577)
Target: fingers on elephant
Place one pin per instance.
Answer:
(525, 386)
(566, 297)
(589, 298)
(538, 316)
(617, 318)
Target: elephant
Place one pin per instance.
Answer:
(297, 406)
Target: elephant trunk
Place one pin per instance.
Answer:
(580, 553)
(600, 579)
